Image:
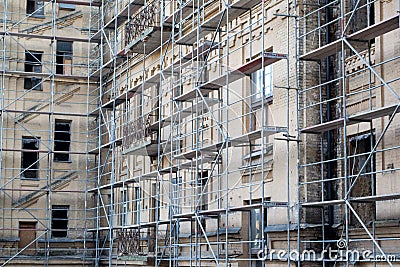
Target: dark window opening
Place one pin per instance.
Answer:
(29, 158)
(59, 221)
(202, 189)
(202, 181)
(371, 14)
(203, 178)
(35, 8)
(154, 216)
(62, 140)
(64, 58)
(33, 63)
(155, 204)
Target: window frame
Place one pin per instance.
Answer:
(256, 80)
(136, 204)
(255, 233)
(359, 149)
(33, 64)
(56, 140)
(62, 56)
(36, 166)
(124, 207)
(36, 12)
(59, 208)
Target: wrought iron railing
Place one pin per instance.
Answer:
(128, 242)
(136, 131)
(148, 16)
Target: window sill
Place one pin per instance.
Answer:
(29, 183)
(257, 153)
(63, 161)
(258, 103)
(66, 75)
(30, 179)
(39, 90)
(36, 17)
(59, 240)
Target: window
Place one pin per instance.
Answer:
(27, 234)
(364, 15)
(136, 207)
(124, 207)
(155, 204)
(62, 140)
(33, 63)
(255, 222)
(64, 58)
(108, 210)
(59, 221)
(202, 190)
(176, 183)
(66, 6)
(154, 216)
(202, 182)
(35, 8)
(257, 82)
(256, 226)
(30, 158)
(360, 147)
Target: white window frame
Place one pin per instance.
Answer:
(257, 82)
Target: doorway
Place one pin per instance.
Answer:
(27, 234)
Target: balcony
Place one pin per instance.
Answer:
(143, 33)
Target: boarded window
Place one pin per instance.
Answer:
(59, 221)
(64, 58)
(33, 63)
(29, 158)
(62, 140)
(27, 235)
(35, 8)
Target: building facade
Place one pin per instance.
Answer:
(44, 159)
(200, 133)
(195, 111)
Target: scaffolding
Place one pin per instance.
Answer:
(348, 102)
(43, 130)
(188, 133)
(199, 133)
